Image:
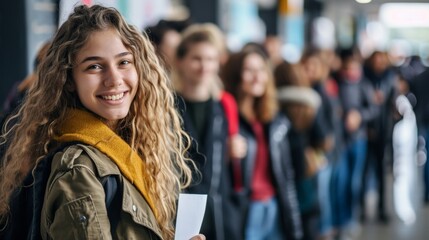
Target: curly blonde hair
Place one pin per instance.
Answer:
(152, 127)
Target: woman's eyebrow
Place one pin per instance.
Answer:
(91, 58)
(122, 54)
(95, 58)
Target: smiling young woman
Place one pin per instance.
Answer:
(105, 77)
(102, 91)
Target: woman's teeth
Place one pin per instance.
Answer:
(113, 97)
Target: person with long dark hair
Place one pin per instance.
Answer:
(271, 211)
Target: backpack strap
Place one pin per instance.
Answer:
(113, 192)
(37, 190)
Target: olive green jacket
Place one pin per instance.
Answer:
(74, 205)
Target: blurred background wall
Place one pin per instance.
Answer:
(400, 28)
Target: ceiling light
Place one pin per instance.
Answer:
(363, 1)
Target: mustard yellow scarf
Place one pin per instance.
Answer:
(84, 127)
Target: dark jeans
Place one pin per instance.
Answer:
(348, 174)
(325, 198)
(376, 163)
(263, 221)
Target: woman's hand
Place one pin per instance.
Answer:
(198, 237)
(237, 146)
(353, 121)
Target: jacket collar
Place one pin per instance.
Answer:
(84, 127)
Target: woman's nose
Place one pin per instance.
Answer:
(113, 77)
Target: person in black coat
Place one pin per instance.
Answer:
(271, 209)
(419, 87)
(356, 96)
(321, 137)
(205, 120)
(382, 79)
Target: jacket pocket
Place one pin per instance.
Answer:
(84, 217)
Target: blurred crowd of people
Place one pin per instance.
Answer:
(284, 150)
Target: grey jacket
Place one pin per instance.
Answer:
(358, 96)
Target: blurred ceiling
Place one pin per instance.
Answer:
(335, 7)
(372, 4)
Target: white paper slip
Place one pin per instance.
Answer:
(190, 215)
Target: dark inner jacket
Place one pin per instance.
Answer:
(211, 161)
